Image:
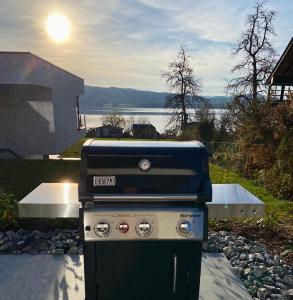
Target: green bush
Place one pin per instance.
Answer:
(8, 209)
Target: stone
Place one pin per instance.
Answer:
(49, 235)
(257, 248)
(252, 290)
(20, 244)
(276, 262)
(276, 297)
(228, 251)
(246, 283)
(262, 293)
(224, 233)
(269, 288)
(243, 264)
(4, 247)
(246, 248)
(251, 256)
(288, 280)
(289, 294)
(58, 251)
(259, 257)
(10, 235)
(20, 231)
(281, 285)
(58, 244)
(33, 251)
(70, 242)
(26, 248)
(36, 232)
(247, 271)
(238, 271)
(43, 245)
(57, 237)
(2, 242)
(259, 271)
(12, 245)
(267, 280)
(73, 251)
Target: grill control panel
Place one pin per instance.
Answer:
(102, 224)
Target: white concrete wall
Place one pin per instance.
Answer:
(26, 68)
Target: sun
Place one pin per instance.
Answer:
(58, 27)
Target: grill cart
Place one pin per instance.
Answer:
(144, 218)
(143, 209)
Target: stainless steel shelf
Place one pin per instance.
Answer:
(60, 200)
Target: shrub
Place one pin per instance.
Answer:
(270, 221)
(8, 209)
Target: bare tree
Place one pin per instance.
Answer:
(115, 119)
(257, 55)
(184, 87)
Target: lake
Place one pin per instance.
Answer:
(157, 116)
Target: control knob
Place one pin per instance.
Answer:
(144, 228)
(123, 227)
(102, 229)
(184, 227)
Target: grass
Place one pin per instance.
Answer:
(282, 208)
(22, 176)
(74, 150)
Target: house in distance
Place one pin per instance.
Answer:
(109, 131)
(39, 104)
(145, 131)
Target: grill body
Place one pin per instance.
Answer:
(143, 219)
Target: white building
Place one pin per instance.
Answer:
(39, 105)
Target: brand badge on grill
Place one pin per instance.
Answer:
(104, 180)
(144, 165)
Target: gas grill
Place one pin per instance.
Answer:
(144, 218)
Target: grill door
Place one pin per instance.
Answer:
(141, 270)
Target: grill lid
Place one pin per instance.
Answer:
(144, 171)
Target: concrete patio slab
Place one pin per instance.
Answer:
(60, 277)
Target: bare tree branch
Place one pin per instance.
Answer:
(184, 87)
(257, 54)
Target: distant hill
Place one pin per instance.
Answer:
(99, 97)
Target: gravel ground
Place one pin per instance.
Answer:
(264, 275)
(36, 242)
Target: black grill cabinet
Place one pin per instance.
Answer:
(143, 218)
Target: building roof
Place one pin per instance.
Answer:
(40, 58)
(143, 126)
(109, 126)
(283, 71)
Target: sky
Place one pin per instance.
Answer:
(129, 43)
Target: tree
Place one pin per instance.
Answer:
(184, 87)
(205, 122)
(248, 110)
(115, 120)
(257, 55)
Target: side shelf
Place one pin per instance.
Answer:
(60, 200)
